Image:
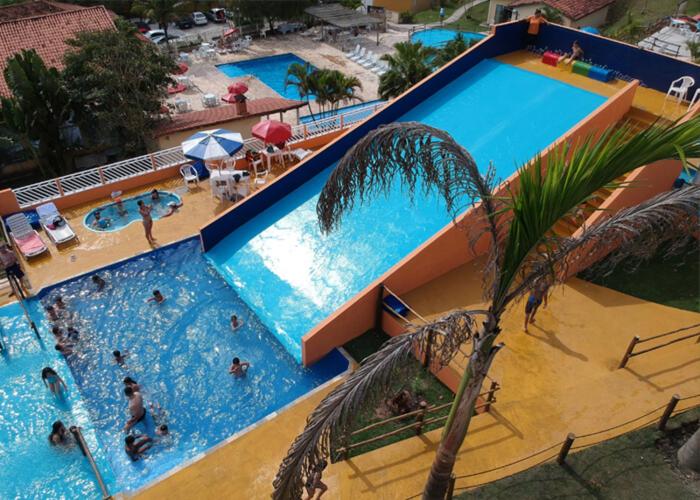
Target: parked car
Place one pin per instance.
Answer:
(142, 27)
(161, 39)
(216, 15)
(184, 23)
(199, 19)
(154, 34)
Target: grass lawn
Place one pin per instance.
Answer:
(646, 11)
(673, 282)
(432, 15)
(472, 19)
(417, 380)
(638, 465)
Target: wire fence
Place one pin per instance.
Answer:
(563, 447)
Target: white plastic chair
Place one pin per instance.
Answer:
(189, 174)
(353, 52)
(679, 88)
(363, 60)
(695, 98)
(359, 55)
(372, 62)
(260, 170)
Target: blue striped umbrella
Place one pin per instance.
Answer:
(212, 144)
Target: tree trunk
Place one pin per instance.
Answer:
(453, 437)
(689, 453)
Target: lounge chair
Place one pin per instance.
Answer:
(368, 55)
(359, 55)
(371, 62)
(300, 154)
(27, 239)
(353, 52)
(54, 224)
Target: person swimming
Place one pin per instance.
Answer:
(172, 208)
(53, 381)
(59, 304)
(136, 445)
(120, 207)
(238, 368)
(155, 196)
(99, 282)
(120, 357)
(64, 347)
(137, 411)
(51, 312)
(130, 382)
(157, 297)
(72, 334)
(162, 430)
(235, 322)
(59, 434)
(101, 223)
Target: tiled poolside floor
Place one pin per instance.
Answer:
(557, 379)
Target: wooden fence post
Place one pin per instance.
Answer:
(102, 175)
(668, 412)
(342, 121)
(420, 417)
(451, 487)
(565, 448)
(306, 132)
(153, 162)
(58, 186)
(628, 354)
(491, 396)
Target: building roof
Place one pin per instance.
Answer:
(342, 17)
(47, 34)
(34, 8)
(227, 112)
(573, 9)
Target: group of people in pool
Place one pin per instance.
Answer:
(145, 211)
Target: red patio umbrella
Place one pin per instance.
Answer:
(174, 89)
(231, 31)
(181, 69)
(229, 98)
(237, 88)
(272, 131)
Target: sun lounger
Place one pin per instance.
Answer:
(371, 62)
(27, 239)
(300, 154)
(353, 52)
(361, 61)
(359, 55)
(54, 224)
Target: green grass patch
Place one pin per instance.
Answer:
(637, 465)
(418, 381)
(472, 19)
(432, 15)
(671, 281)
(645, 12)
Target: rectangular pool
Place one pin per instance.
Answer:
(293, 277)
(272, 71)
(179, 352)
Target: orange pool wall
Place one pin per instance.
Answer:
(445, 251)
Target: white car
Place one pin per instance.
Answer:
(154, 34)
(199, 19)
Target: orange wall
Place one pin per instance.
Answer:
(445, 251)
(8, 202)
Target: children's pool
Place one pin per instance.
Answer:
(178, 351)
(272, 71)
(116, 220)
(438, 37)
(293, 277)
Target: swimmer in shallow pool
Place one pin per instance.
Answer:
(59, 434)
(101, 223)
(157, 297)
(238, 368)
(235, 322)
(120, 357)
(53, 381)
(136, 445)
(99, 282)
(172, 208)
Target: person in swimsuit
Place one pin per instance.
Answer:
(99, 282)
(235, 322)
(145, 211)
(533, 28)
(52, 380)
(120, 357)
(534, 300)
(315, 481)
(238, 368)
(101, 223)
(130, 382)
(59, 304)
(157, 297)
(51, 312)
(64, 347)
(136, 446)
(9, 262)
(136, 408)
(120, 207)
(576, 54)
(59, 434)
(155, 196)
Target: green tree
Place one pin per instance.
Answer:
(552, 15)
(119, 83)
(451, 50)
(38, 111)
(162, 11)
(523, 253)
(332, 87)
(694, 49)
(257, 13)
(407, 66)
(300, 76)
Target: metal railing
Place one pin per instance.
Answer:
(77, 433)
(77, 182)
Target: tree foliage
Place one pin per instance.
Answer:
(257, 12)
(38, 110)
(452, 49)
(407, 66)
(523, 251)
(329, 87)
(162, 11)
(118, 83)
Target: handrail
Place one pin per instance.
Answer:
(77, 433)
(629, 353)
(58, 187)
(17, 289)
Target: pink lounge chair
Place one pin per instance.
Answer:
(25, 237)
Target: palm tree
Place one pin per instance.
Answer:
(524, 251)
(162, 11)
(451, 50)
(331, 87)
(409, 65)
(300, 76)
(552, 15)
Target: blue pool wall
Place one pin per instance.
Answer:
(507, 38)
(652, 69)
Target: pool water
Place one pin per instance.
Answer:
(178, 351)
(293, 277)
(118, 221)
(272, 71)
(438, 37)
(29, 466)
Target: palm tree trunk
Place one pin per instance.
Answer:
(461, 413)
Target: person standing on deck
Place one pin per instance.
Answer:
(533, 28)
(145, 211)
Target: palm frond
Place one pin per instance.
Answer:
(334, 416)
(668, 219)
(546, 193)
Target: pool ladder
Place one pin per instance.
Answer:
(19, 293)
(77, 433)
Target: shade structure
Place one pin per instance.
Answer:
(591, 30)
(272, 131)
(237, 88)
(212, 144)
(229, 98)
(181, 68)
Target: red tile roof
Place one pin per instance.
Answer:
(34, 8)
(573, 9)
(224, 113)
(47, 34)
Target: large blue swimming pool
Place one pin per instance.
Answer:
(438, 37)
(179, 352)
(272, 71)
(293, 277)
